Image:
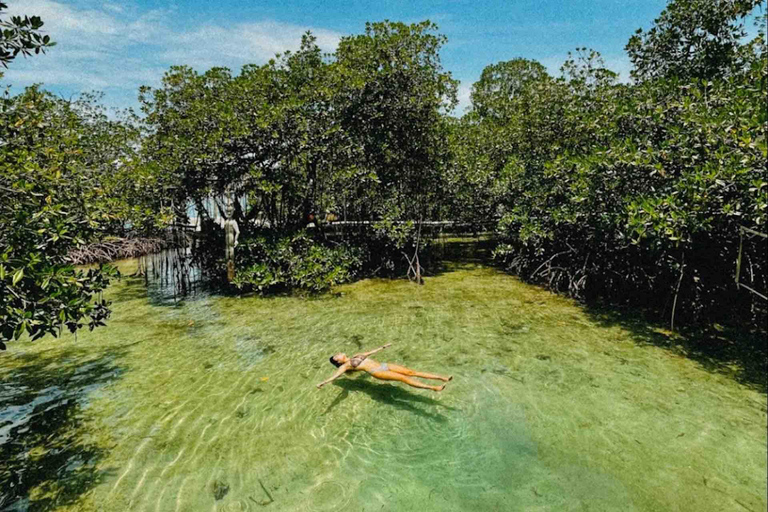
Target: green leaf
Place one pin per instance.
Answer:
(17, 276)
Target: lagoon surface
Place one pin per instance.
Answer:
(210, 404)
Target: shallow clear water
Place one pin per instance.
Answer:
(210, 404)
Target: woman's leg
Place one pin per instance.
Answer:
(389, 375)
(413, 373)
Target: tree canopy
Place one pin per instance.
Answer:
(633, 193)
(21, 35)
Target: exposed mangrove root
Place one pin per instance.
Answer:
(116, 249)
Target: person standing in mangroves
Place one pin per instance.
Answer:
(231, 234)
(383, 371)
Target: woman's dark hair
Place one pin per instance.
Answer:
(334, 362)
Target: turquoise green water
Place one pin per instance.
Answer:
(211, 404)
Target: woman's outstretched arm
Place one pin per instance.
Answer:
(366, 354)
(343, 368)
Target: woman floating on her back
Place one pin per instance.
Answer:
(381, 371)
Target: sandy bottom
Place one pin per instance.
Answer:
(211, 405)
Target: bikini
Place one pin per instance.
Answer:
(356, 361)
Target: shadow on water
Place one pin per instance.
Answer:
(742, 356)
(463, 250)
(169, 278)
(48, 460)
(390, 395)
(459, 254)
(134, 289)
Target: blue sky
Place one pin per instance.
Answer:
(116, 47)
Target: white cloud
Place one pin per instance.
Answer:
(119, 47)
(213, 45)
(463, 94)
(76, 78)
(62, 18)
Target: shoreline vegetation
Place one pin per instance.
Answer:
(647, 194)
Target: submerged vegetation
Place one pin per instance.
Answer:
(212, 401)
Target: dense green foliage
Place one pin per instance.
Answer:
(358, 135)
(632, 193)
(297, 261)
(692, 39)
(46, 207)
(39, 291)
(68, 175)
(21, 35)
